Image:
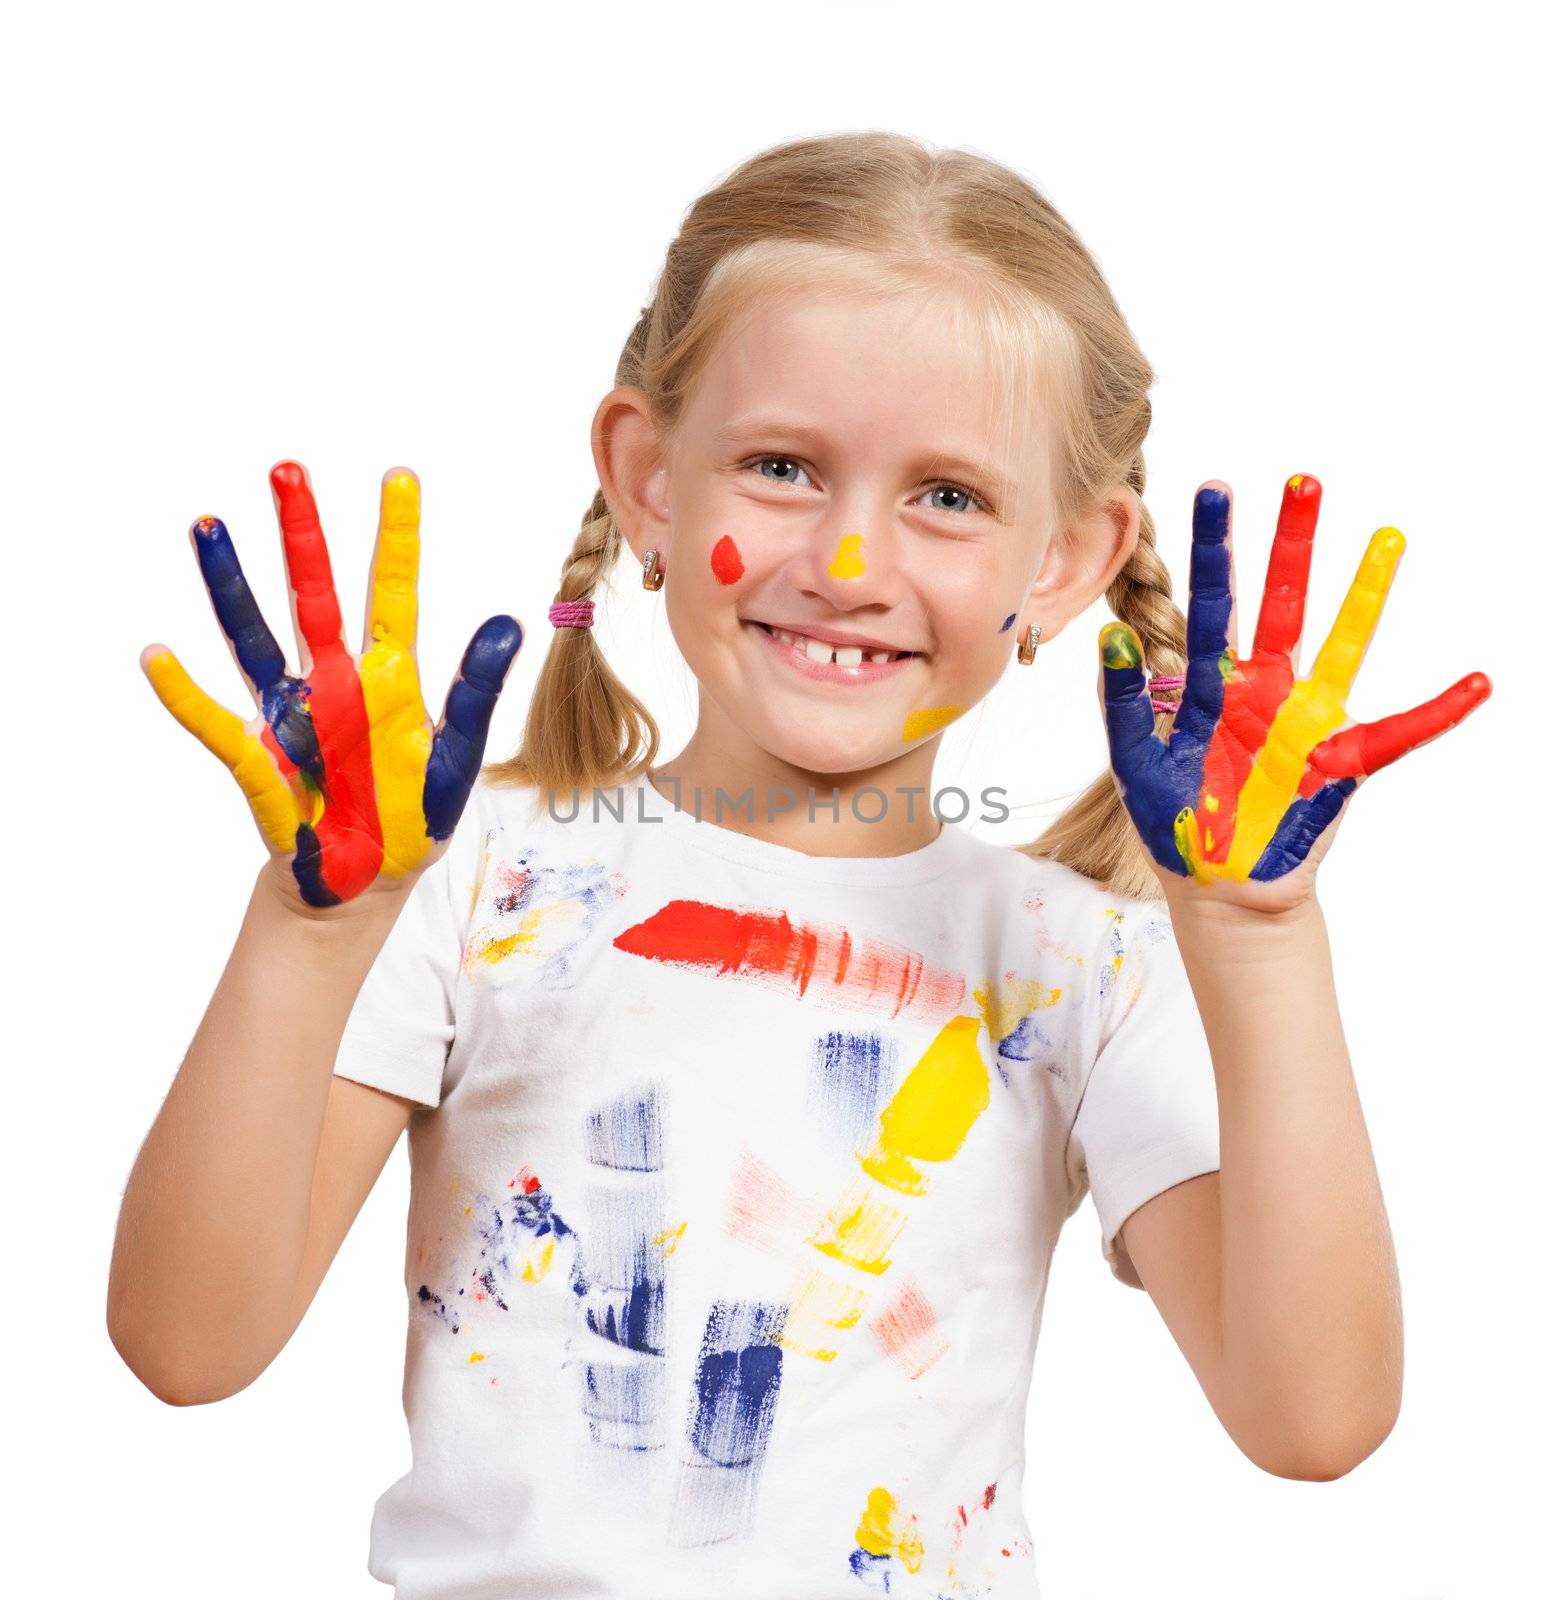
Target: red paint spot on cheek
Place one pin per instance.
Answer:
(726, 561)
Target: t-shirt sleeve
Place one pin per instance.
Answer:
(400, 1029)
(1147, 1119)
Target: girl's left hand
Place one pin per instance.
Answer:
(1241, 801)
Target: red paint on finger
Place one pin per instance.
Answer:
(349, 831)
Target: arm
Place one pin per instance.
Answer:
(258, 1160)
(1277, 1275)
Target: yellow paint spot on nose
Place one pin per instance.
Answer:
(847, 562)
(468, 1211)
(927, 719)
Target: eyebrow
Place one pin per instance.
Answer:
(746, 430)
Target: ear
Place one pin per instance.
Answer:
(627, 448)
(1085, 556)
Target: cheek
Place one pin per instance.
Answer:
(726, 561)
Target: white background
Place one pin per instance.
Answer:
(369, 235)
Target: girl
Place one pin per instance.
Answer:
(747, 1095)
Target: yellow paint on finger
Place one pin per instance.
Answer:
(1314, 709)
(390, 681)
(224, 735)
(395, 568)
(931, 1112)
(1357, 619)
(928, 719)
(847, 562)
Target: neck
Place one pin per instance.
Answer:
(768, 798)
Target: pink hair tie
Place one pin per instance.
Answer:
(571, 613)
(1164, 683)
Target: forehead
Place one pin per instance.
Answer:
(913, 370)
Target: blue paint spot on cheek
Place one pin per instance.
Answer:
(1008, 623)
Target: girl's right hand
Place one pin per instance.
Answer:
(350, 786)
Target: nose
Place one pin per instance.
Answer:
(852, 557)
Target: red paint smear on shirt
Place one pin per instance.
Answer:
(726, 560)
(767, 947)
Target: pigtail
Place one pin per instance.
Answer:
(585, 729)
(1094, 835)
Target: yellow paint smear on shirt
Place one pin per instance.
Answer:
(928, 719)
(931, 1112)
(820, 1307)
(1005, 1003)
(860, 1230)
(669, 1237)
(475, 1355)
(536, 1266)
(883, 1531)
(847, 562)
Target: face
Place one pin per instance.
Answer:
(838, 488)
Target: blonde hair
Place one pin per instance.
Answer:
(881, 213)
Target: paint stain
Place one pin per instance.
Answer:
(1007, 1001)
(736, 1383)
(885, 1532)
(763, 1209)
(1011, 618)
(931, 1114)
(803, 958)
(537, 919)
(626, 1133)
(820, 1309)
(906, 1330)
(726, 561)
(847, 562)
(927, 719)
(847, 1077)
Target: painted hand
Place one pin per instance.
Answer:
(340, 766)
(1242, 795)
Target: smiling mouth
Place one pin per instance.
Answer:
(821, 653)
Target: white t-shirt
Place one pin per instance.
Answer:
(730, 1226)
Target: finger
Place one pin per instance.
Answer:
(311, 578)
(346, 853)
(1136, 754)
(1278, 629)
(1305, 820)
(458, 747)
(395, 563)
(1368, 747)
(1210, 610)
(1335, 667)
(257, 653)
(225, 736)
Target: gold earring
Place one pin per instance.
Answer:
(652, 573)
(1028, 644)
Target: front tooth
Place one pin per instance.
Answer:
(850, 656)
(817, 651)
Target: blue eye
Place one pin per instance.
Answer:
(782, 461)
(965, 500)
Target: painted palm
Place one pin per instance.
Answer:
(1259, 761)
(340, 765)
